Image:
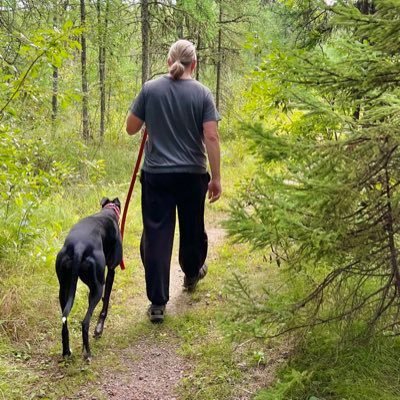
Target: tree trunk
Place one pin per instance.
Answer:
(102, 26)
(85, 111)
(366, 6)
(391, 232)
(145, 40)
(219, 62)
(54, 96)
(179, 24)
(198, 56)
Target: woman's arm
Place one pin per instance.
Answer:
(211, 140)
(133, 124)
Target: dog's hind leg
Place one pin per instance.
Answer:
(106, 301)
(65, 340)
(95, 293)
(65, 283)
(63, 296)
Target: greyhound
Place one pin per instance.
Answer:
(92, 243)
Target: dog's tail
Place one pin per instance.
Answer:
(76, 261)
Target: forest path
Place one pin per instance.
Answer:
(150, 368)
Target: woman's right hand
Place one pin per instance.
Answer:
(214, 190)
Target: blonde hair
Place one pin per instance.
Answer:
(181, 54)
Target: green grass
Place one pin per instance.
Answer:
(325, 368)
(30, 343)
(210, 332)
(30, 325)
(215, 373)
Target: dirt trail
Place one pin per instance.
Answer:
(152, 370)
(179, 299)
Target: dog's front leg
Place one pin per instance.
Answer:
(106, 301)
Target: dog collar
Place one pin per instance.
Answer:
(113, 207)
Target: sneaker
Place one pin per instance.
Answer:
(190, 283)
(156, 313)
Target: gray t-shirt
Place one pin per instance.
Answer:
(174, 112)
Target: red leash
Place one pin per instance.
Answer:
(131, 186)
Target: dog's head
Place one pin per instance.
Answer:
(105, 200)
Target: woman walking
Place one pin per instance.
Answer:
(181, 121)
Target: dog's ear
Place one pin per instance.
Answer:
(117, 202)
(104, 201)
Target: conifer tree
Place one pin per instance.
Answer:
(326, 196)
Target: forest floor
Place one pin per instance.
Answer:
(152, 369)
(210, 346)
(198, 353)
(186, 357)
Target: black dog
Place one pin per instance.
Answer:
(92, 243)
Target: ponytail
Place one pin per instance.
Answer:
(181, 54)
(176, 70)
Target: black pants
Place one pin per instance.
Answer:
(162, 195)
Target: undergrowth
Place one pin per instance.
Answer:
(328, 362)
(30, 324)
(224, 348)
(325, 367)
